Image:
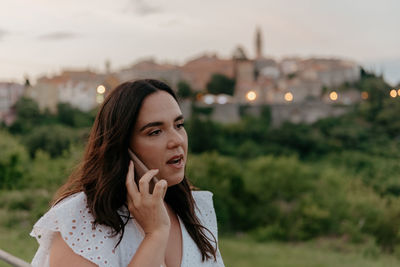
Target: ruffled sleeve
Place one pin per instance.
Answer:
(206, 213)
(73, 220)
(205, 210)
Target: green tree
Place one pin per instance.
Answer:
(220, 84)
(53, 139)
(73, 117)
(184, 90)
(378, 91)
(28, 115)
(388, 117)
(202, 134)
(13, 157)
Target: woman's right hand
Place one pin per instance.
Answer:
(147, 209)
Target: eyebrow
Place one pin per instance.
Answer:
(159, 123)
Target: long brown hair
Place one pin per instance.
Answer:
(102, 173)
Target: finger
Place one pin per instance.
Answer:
(144, 182)
(160, 189)
(133, 191)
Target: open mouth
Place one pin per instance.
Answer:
(176, 161)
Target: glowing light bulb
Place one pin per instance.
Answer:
(221, 99)
(209, 99)
(364, 95)
(288, 97)
(101, 89)
(333, 96)
(251, 96)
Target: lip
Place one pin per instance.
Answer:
(176, 157)
(178, 165)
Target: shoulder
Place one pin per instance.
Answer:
(206, 214)
(74, 205)
(72, 219)
(203, 199)
(66, 216)
(205, 209)
(70, 210)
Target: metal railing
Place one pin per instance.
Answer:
(14, 261)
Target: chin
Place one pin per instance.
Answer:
(174, 179)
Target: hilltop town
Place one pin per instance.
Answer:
(296, 89)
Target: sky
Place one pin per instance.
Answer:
(43, 37)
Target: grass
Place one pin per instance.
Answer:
(243, 252)
(18, 243)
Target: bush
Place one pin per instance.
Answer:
(51, 172)
(24, 207)
(222, 176)
(381, 173)
(53, 139)
(13, 158)
(74, 117)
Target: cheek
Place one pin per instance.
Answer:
(150, 154)
(185, 138)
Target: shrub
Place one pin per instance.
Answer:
(13, 158)
(53, 139)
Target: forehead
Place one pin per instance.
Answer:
(159, 106)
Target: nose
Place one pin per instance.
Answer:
(175, 139)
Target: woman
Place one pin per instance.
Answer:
(102, 217)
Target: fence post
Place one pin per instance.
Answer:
(14, 261)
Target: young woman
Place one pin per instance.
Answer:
(102, 217)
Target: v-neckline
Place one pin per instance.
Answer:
(181, 226)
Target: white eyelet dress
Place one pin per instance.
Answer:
(73, 220)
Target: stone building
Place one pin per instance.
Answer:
(77, 88)
(198, 71)
(330, 72)
(292, 80)
(150, 69)
(9, 95)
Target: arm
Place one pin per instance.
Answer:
(148, 210)
(61, 255)
(151, 251)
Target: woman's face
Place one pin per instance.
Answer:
(159, 138)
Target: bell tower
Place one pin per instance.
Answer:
(258, 43)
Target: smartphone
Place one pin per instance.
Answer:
(140, 170)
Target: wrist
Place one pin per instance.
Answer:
(160, 233)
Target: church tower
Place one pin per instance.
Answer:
(259, 43)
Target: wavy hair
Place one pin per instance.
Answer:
(102, 173)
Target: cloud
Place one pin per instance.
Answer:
(58, 36)
(142, 8)
(171, 23)
(2, 34)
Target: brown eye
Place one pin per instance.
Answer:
(156, 132)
